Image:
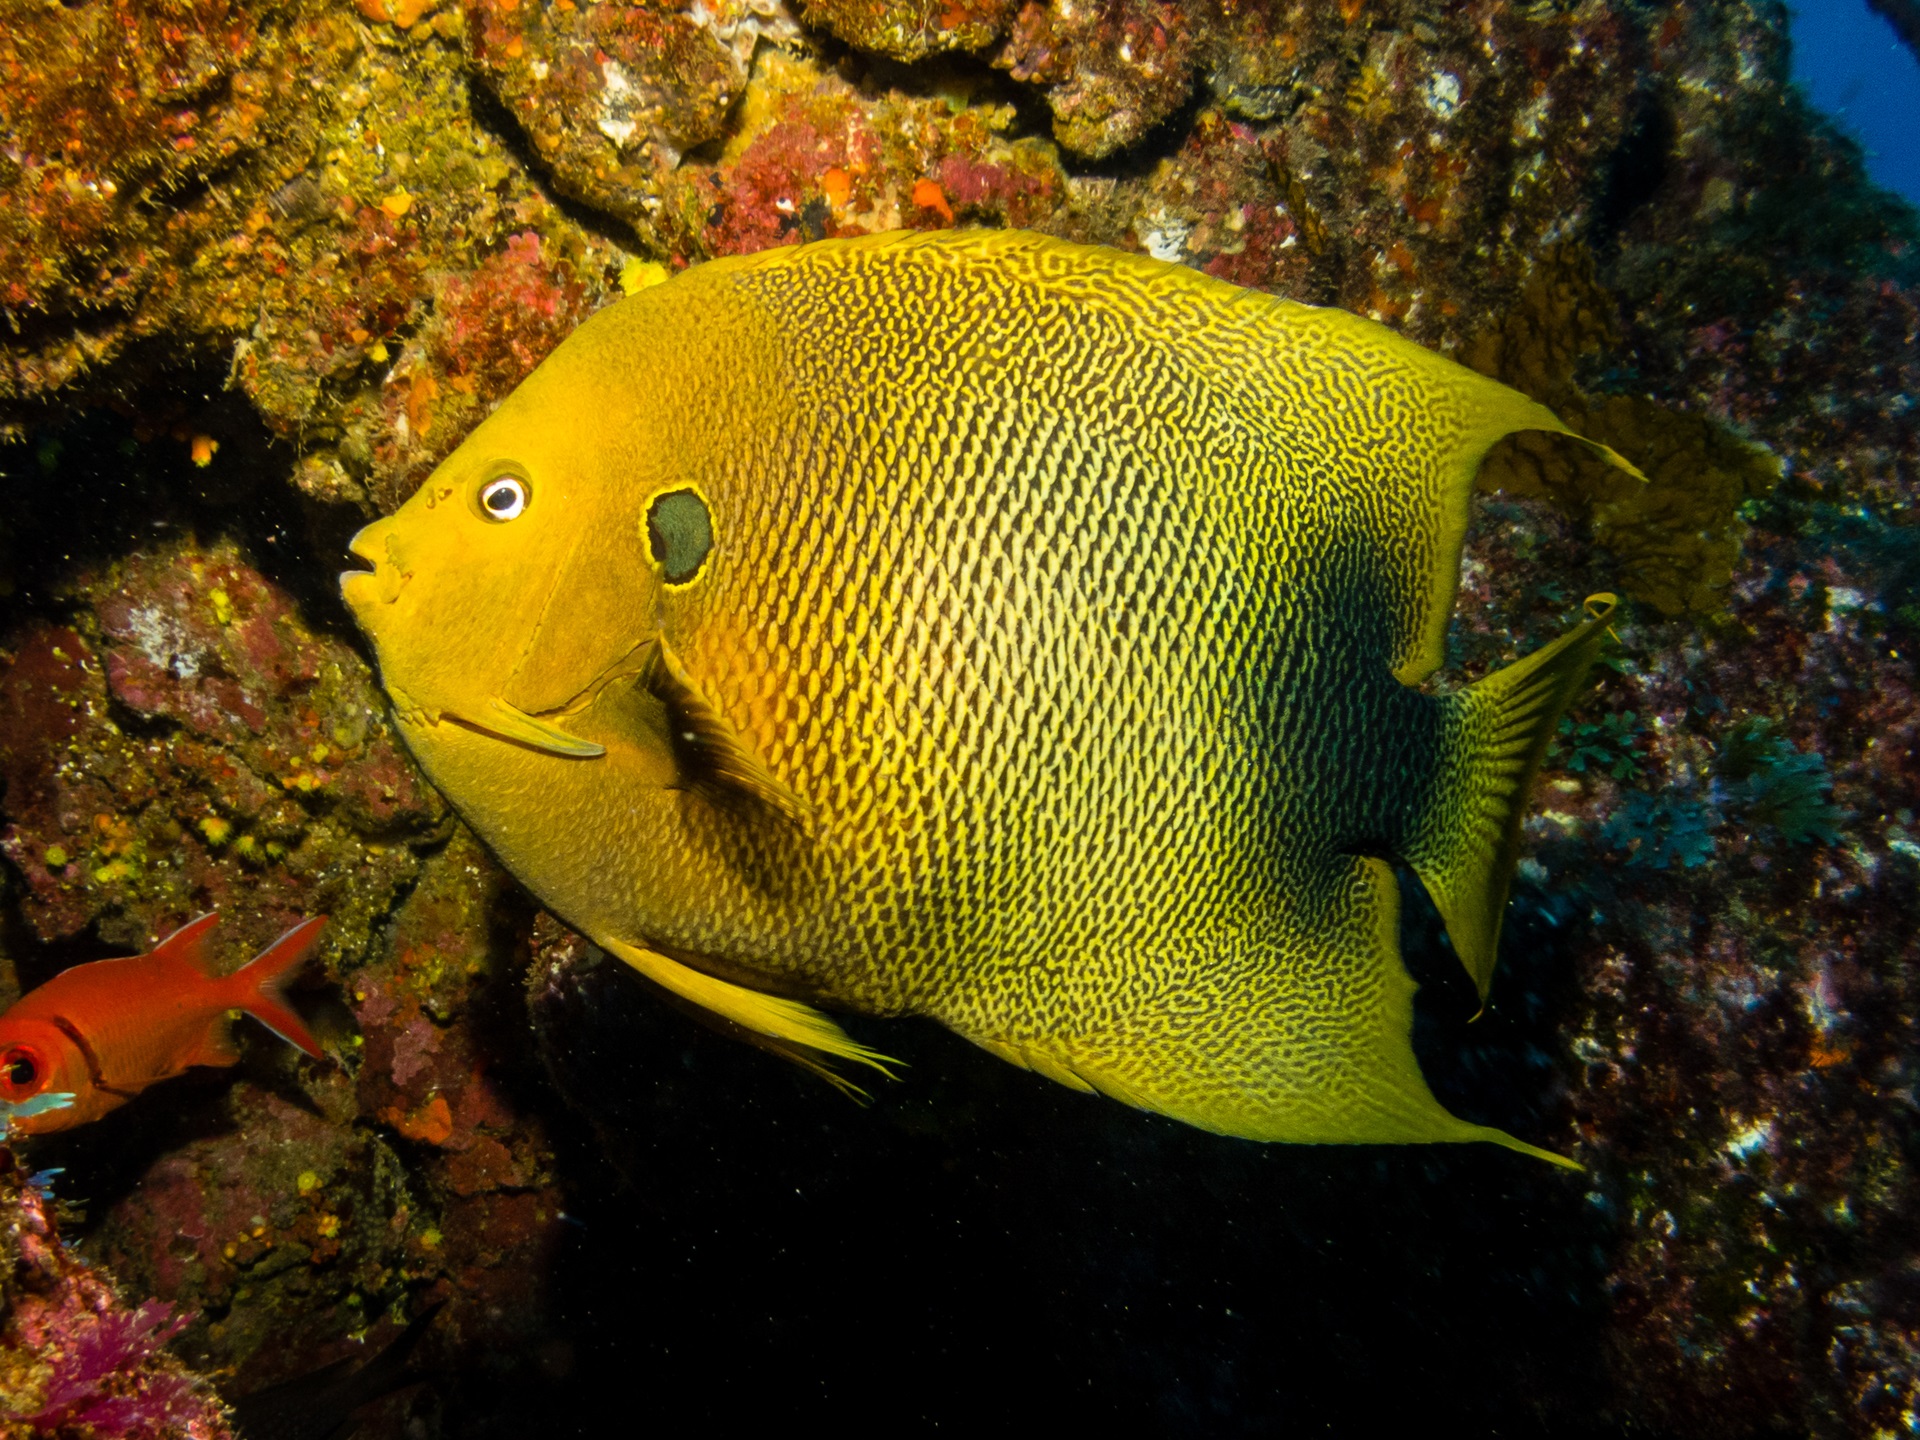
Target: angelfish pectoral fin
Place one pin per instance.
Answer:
(509, 723)
(714, 756)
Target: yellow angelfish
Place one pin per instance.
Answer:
(981, 626)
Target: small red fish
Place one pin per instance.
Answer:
(106, 1031)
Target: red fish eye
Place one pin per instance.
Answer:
(20, 1070)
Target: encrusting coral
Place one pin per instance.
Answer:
(187, 743)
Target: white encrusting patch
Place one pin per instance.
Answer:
(1443, 94)
(619, 98)
(1753, 1137)
(161, 639)
(1166, 237)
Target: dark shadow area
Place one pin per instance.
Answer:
(1139, 160)
(107, 1159)
(1637, 170)
(954, 72)
(981, 1246)
(92, 486)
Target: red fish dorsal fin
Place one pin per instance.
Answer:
(256, 986)
(188, 944)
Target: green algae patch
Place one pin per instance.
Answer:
(1676, 538)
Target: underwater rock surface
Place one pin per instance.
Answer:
(370, 222)
(185, 742)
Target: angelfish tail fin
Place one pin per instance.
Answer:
(257, 986)
(1494, 736)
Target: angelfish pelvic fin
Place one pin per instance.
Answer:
(710, 751)
(796, 1031)
(513, 724)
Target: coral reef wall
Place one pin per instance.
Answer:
(262, 265)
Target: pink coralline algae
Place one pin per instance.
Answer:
(76, 1361)
(486, 1166)
(287, 1211)
(488, 329)
(817, 159)
(498, 323)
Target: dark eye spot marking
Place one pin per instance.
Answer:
(679, 533)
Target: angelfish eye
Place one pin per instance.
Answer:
(18, 1069)
(505, 498)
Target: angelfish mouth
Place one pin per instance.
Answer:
(383, 580)
(381, 585)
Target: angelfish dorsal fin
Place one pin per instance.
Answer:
(709, 749)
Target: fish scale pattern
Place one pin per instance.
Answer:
(1069, 598)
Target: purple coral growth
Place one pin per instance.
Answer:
(103, 1369)
(91, 1366)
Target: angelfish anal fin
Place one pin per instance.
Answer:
(513, 724)
(1303, 1036)
(709, 750)
(785, 1022)
(1039, 1059)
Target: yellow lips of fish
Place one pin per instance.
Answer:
(980, 626)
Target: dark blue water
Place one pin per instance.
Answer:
(1855, 68)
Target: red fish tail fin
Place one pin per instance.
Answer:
(256, 986)
(188, 944)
